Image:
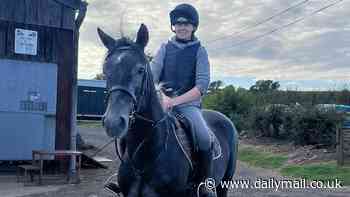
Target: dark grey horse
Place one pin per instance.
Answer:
(153, 165)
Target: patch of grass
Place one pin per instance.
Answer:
(259, 158)
(320, 171)
(89, 124)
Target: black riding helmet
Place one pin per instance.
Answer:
(186, 11)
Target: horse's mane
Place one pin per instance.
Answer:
(121, 42)
(159, 91)
(124, 42)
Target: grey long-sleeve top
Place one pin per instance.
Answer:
(202, 68)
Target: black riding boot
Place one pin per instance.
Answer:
(207, 186)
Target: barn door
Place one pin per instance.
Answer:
(28, 94)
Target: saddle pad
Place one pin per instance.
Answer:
(217, 151)
(186, 145)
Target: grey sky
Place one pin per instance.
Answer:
(314, 51)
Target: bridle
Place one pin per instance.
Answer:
(136, 107)
(125, 90)
(136, 102)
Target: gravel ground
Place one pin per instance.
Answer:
(92, 179)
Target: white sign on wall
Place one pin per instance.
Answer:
(26, 42)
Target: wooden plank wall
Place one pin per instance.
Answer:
(47, 40)
(65, 49)
(38, 12)
(3, 38)
(54, 23)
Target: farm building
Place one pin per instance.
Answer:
(38, 66)
(91, 98)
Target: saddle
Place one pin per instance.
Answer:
(186, 140)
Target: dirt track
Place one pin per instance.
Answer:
(92, 180)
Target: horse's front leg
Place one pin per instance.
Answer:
(148, 191)
(139, 188)
(126, 179)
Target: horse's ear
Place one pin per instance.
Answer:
(142, 36)
(107, 40)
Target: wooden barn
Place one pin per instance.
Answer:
(38, 69)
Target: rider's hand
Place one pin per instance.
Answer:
(167, 103)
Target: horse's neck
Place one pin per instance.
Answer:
(145, 132)
(152, 108)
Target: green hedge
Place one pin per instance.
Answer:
(256, 113)
(304, 126)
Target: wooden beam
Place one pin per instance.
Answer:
(68, 17)
(64, 41)
(3, 38)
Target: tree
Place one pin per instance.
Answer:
(100, 76)
(265, 86)
(265, 91)
(149, 56)
(215, 85)
(344, 97)
(235, 103)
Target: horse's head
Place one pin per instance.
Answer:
(125, 67)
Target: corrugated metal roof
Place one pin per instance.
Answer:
(92, 83)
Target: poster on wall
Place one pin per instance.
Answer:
(26, 42)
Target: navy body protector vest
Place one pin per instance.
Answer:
(179, 70)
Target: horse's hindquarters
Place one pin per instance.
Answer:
(226, 133)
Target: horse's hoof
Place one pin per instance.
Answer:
(205, 192)
(208, 194)
(112, 187)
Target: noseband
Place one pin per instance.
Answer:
(122, 89)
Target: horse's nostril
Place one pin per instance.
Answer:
(116, 126)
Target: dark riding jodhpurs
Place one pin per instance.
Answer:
(201, 129)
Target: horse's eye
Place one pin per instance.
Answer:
(141, 70)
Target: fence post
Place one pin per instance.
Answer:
(339, 142)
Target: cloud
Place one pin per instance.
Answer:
(317, 48)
